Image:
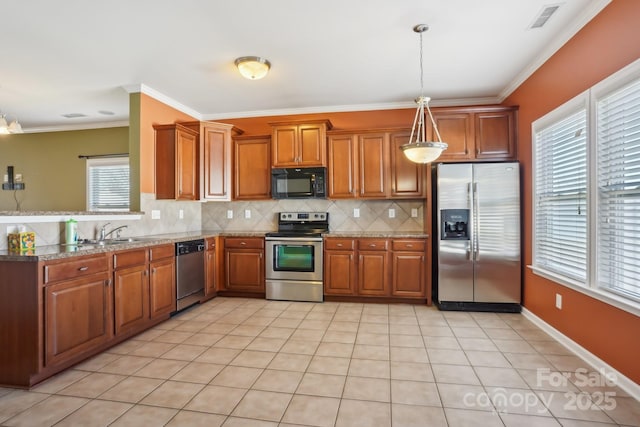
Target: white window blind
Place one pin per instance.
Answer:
(618, 142)
(560, 227)
(108, 184)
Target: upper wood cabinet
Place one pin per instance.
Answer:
(299, 144)
(476, 133)
(371, 165)
(216, 139)
(176, 162)
(252, 168)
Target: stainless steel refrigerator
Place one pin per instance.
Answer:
(478, 236)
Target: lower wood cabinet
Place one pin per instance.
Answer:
(211, 268)
(370, 267)
(162, 281)
(244, 264)
(77, 311)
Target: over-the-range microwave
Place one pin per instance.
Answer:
(300, 183)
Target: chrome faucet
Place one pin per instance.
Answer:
(104, 233)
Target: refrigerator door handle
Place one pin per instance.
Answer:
(470, 251)
(476, 244)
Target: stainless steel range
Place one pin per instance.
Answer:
(294, 257)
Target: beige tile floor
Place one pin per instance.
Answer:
(246, 362)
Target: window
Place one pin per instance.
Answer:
(108, 184)
(586, 157)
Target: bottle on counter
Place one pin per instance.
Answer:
(71, 232)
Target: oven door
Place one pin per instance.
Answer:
(294, 258)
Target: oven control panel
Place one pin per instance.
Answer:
(303, 216)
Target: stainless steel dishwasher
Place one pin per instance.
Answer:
(189, 273)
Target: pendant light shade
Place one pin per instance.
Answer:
(419, 149)
(253, 67)
(7, 128)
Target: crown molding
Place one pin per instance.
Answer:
(78, 126)
(159, 96)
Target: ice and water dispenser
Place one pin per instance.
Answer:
(455, 224)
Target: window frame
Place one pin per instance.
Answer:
(588, 98)
(105, 161)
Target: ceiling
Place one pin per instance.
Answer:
(84, 57)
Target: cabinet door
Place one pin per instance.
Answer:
(131, 289)
(312, 143)
(165, 162)
(456, 129)
(187, 184)
(373, 165)
(373, 270)
(216, 142)
(210, 272)
(77, 317)
(495, 135)
(339, 273)
(162, 287)
(342, 163)
(408, 274)
(407, 177)
(244, 270)
(284, 146)
(252, 169)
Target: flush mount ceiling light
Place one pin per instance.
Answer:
(419, 150)
(7, 128)
(253, 67)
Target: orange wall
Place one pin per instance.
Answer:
(606, 44)
(153, 112)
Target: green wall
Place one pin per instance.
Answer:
(55, 177)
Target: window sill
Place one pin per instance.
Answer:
(606, 297)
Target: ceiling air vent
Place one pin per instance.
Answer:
(74, 115)
(544, 16)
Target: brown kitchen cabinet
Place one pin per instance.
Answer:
(252, 168)
(373, 267)
(162, 281)
(244, 264)
(339, 267)
(77, 308)
(176, 162)
(216, 141)
(131, 290)
(211, 268)
(371, 165)
(476, 133)
(299, 144)
(408, 264)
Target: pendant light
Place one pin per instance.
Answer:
(419, 150)
(7, 128)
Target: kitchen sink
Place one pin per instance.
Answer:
(84, 242)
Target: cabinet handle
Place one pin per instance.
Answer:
(339, 245)
(243, 243)
(144, 273)
(372, 245)
(409, 246)
(153, 270)
(85, 268)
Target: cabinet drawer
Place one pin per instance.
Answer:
(373, 244)
(71, 269)
(129, 258)
(159, 252)
(210, 243)
(408, 245)
(339, 244)
(243, 243)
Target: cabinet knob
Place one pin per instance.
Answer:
(339, 245)
(85, 268)
(153, 270)
(372, 245)
(409, 245)
(243, 243)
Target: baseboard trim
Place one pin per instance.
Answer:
(625, 383)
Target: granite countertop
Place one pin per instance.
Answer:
(50, 252)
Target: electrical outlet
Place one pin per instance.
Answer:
(155, 214)
(356, 213)
(6, 178)
(414, 213)
(18, 177)
(247, 213)
(559, 301)
(392, 213)
(181, 214)
(229, 214)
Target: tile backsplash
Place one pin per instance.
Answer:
(212, 216)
